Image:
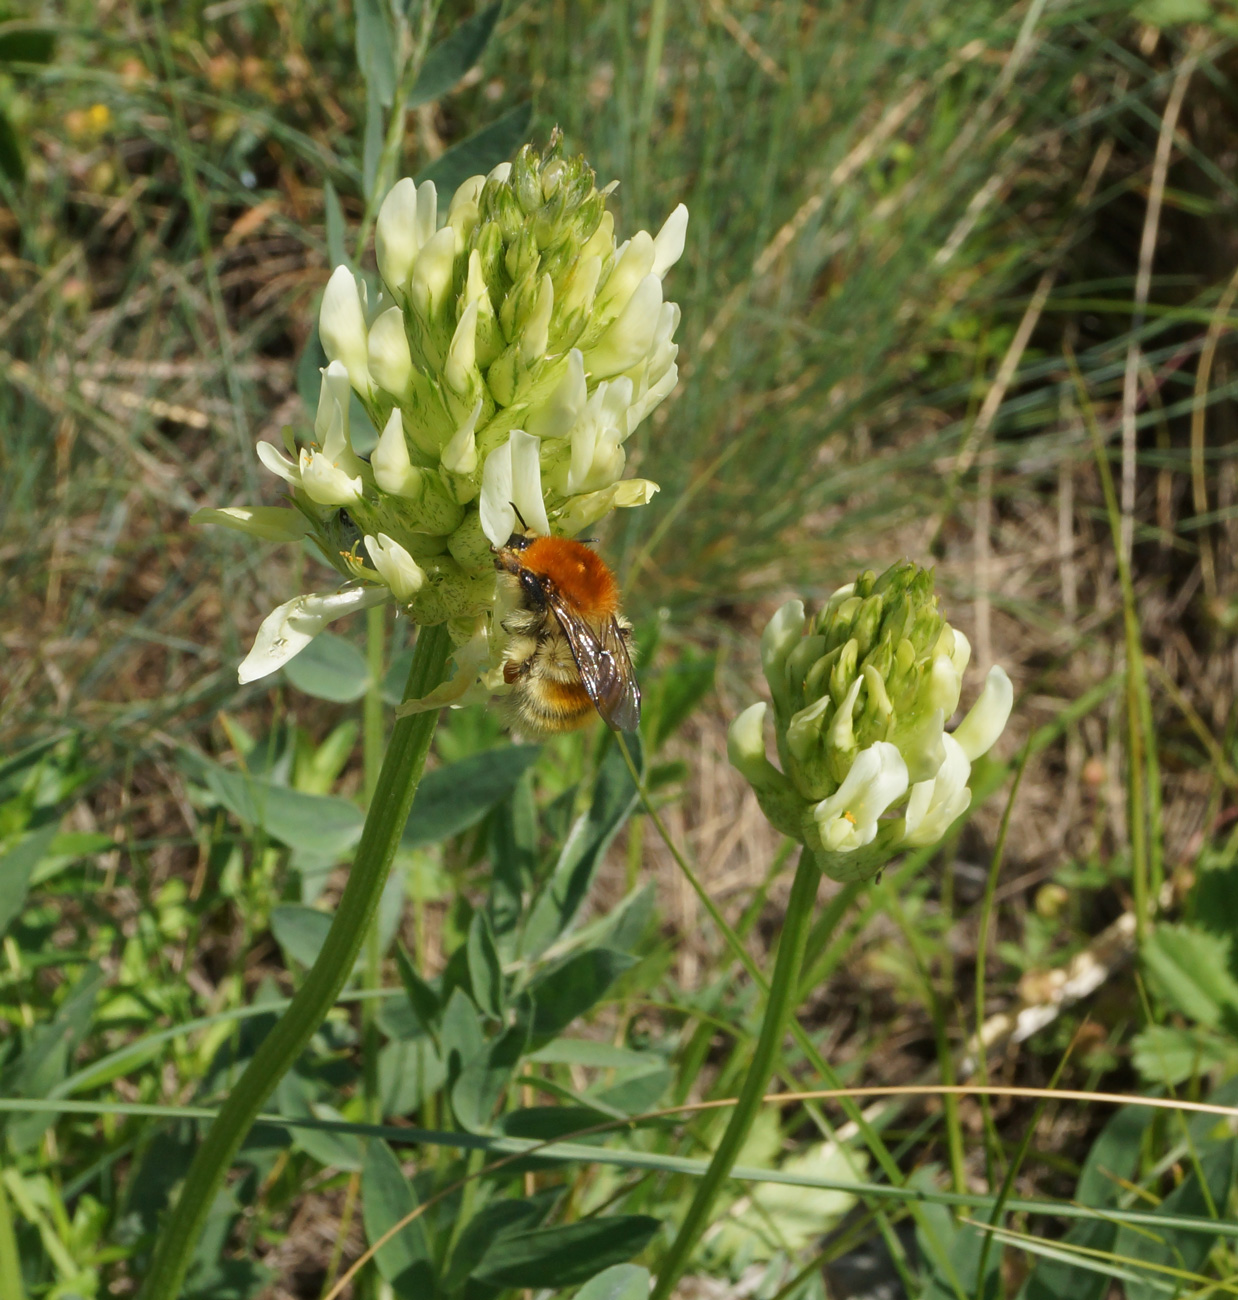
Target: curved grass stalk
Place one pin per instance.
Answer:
(393, 797)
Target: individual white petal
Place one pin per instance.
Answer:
(634, 492)
(326, 482)
(652, 398)
(335, 391)
(393, 471)
(934, 805)
(432, 272)
(668, 246)
(536, 334)
(987, 718)
(842, 731)
(961, 655)
(555, 417)
(396, 236)
(527, 481)
(391, 363)
(461, 363)
(460, 454)
(500, 173)
(341, 327)
(287, 630)
(745, 743)
(498, 518)
(269, 523)
(396, 567)
(427, 211)
(944, 685)
(633, 262)
(847, 820)
(275, 460)
(781, 636)
(628, 338)
(462, 211)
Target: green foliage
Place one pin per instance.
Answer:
(848, 296)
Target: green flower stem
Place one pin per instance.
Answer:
(393, 797)
(10, 1260)
(372, 750)
(783, 991)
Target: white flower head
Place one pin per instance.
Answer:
(512, 350)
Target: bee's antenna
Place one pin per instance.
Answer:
(520, 517)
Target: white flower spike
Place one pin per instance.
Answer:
(513, 350)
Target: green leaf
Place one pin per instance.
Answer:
(300, 931)
(329, 668)
(1190, 969)
(484, 1077)
(622, 1282)
(296, 1098)
(494, 1221)
(565, 1256)
(45, 1061)
(1171, 1247)
(451, 58)
(461, 1036)
(421, 997)
(458, 795)
(594, 1054)
(386, 1198)
(22, 43)
(573, 988)
(485, 970)
(372, 141)
(481, 152)
(513, 858)
(409, 1071)
(17, 867)
(1172, 1054)
(376, 44)
(323, 825)
(336, 254)
(1112, 1159)
(614, 797)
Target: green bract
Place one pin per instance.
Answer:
(511, 353)
(862, 693)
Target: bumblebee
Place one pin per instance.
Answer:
(568, 652)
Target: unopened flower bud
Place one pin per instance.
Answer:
(861, 696)
(341, 327)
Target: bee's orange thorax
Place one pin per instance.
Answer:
(578, 573)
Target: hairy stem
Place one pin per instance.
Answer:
(393, 797)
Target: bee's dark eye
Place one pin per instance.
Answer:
(518, 542)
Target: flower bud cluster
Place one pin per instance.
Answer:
(862, 693)
(512, 351)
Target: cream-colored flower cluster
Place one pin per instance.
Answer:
(862, 694)
(513, 350)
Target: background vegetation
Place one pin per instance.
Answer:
(950, 267)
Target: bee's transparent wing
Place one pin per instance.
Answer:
(606, 670)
